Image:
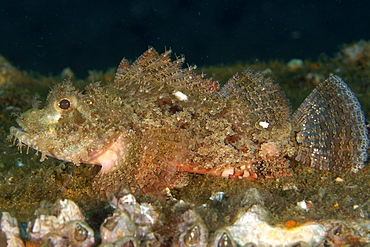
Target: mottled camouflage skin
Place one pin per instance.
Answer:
(158, 121)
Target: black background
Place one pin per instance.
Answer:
(47, 36)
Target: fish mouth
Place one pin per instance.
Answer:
(24, 139)
(19, 134)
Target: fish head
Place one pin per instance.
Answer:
(70, 127)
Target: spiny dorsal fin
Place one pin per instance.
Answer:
(263, 101)
(153, 73)
(122, 67)
(331, 130)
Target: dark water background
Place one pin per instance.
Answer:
(47, 36)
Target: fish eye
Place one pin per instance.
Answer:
(64, 104)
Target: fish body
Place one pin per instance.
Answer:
(157, 121)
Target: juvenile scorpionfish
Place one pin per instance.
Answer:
(157, 122)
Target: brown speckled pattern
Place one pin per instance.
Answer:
(157, 121)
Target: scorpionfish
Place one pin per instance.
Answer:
(158, 121)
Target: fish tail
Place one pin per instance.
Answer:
(330, 129)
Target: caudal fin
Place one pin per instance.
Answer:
(330, 128)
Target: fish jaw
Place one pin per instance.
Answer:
(109, 155)
(25, 139)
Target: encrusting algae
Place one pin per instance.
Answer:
(157, 121)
